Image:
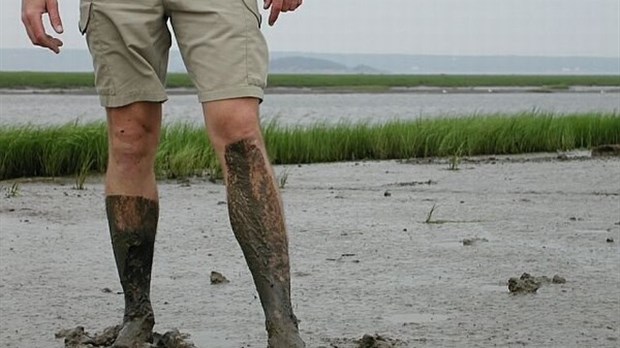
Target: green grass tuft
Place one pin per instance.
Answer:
(29, 151)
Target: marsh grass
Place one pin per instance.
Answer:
(82, 174)
(455, 159)
(28, 151)
(361, 83)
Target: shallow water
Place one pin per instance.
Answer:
(292, 109)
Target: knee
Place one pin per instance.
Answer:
(132, 144)
(129, 141)
(233, 121)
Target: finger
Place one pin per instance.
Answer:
(290, 5)
(28, 30)
(275, 12)
(36, 25)
(52, 9)
(267, 4)
(54, 44)
(29, 27)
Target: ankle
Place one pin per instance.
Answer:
(141, 311)
(278, 322)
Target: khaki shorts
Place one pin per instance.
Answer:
(220, 41)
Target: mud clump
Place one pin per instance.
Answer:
(523, 285)
(473, 241)
(530, 284)
(78, 338)
(172, 339)
(606, 150)
(377, 341)
(558, 280)
(218, 278)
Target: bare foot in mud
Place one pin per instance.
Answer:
(284, 336)
(136, 332)
(286, 341)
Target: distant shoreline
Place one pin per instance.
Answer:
(347, 90)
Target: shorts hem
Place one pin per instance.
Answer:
(232, 93)
(115, 101)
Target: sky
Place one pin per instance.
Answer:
(441, 27)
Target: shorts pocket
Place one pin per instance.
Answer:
(86, 7)
(252, 6)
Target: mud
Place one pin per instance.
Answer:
(78, 338)
(474, 241)
(218, 278)
(367, 341)
(377, 341)
(530, 284)
(606, 150)
(361, 263)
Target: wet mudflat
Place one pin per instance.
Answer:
(368, 257)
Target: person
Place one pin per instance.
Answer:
(226, 57)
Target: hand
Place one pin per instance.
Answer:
(278, 6)
(32, 13)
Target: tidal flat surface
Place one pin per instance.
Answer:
(366, 256)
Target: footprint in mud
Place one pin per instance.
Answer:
(78, 338)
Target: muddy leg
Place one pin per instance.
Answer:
(257, 220)
(133, 222)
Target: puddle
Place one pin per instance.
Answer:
(416, 318)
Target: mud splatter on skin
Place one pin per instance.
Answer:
(257, 219)
(133, 225)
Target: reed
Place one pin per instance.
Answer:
(29, 151)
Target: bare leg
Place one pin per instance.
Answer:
(255, 211)
(132, 208)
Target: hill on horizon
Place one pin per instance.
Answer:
(33, 59)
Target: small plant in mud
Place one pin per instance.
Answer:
(81, 174)
(11, 191)
(282, 179)
(429, 216)
(455, 160)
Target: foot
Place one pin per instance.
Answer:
(290, 340)
(284, 336)
(136, 332)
